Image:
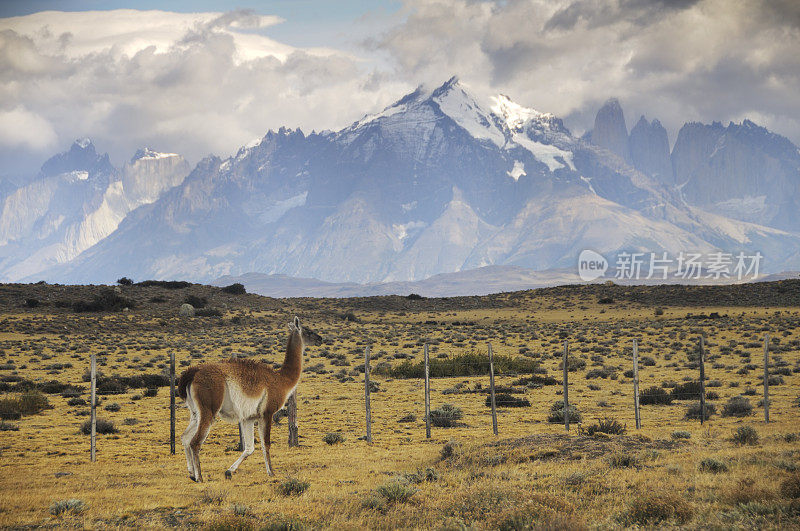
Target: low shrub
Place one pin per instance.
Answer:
(507, 400)
(235, 289)
(687, 391)
(693, 411)
(72, 505)
(125, 281)
(197, 302)
(396, 490)
(166, 284)
(107, 301)
(715, 466)
(737, 406)
(7, 426)
(446, 416)
(150, 392)
(293, 487)
(655, 396)
(450, 449)
(623, 460)
(653, 508)
(421, 476)
(790, 487)
(556, 415)
(606, 425)
(28, 403)
(333, 438)
(681, 434)
(408, 418)
(466, 364)
(745, 435)
(113, 407)
(103, 426)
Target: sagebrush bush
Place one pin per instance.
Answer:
(790, 487)
(715, 466)
(693, 411)
(681, 434)
(737, 406)
(421, 476)
(556, 415)
(606, 425)
(745, 435)
(652, 508)
(235, 289)
(293, 487)
(396, 490)
(655, 395)
(102, 426)
(466, 364)
(72, 505)
(687, 391)
(333, 438)
(507, 400)
(623, 460)
(446, 416)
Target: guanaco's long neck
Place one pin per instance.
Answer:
(293, 362)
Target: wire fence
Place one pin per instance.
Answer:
(525, 375)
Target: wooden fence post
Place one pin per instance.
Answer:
(93, 437)
(172, 403)
(491, 390)
(566, 386)
(291, 406)
(766, 377)
(702, 381)
(366, 394)
(637, 415)
(427, 396)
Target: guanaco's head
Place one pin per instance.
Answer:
(308, 336)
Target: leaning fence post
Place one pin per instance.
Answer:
(766, 377)
(366, 394)
(427, 396)
(491, 390)
(637, 415)
(172, 403)
(702, 381)
(566, 386)
(291, 406)
(93, 437)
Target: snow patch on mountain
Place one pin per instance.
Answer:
(466, 112)
(517, 171)
(549, 154)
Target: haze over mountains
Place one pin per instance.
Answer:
(438, 182)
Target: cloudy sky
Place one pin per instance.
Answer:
(194, 78)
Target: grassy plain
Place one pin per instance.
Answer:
(533, 475)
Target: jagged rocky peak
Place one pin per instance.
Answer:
(610, 131)
(150, 154)
(81, 157)
(649, 149)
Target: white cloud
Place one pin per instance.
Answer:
(22, 128)
(675, 60)
(189, 83)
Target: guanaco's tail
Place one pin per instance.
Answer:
(185, 380)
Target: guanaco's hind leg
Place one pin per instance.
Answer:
(248, 439)
(264, 427)
(186, 440)
(204, 426)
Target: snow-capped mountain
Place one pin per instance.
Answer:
(77, 200)
(435, 183)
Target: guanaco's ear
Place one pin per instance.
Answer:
(297, 322)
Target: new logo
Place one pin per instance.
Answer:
(591, 265)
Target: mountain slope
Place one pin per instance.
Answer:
(435, 183)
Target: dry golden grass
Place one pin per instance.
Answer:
(532, 476)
